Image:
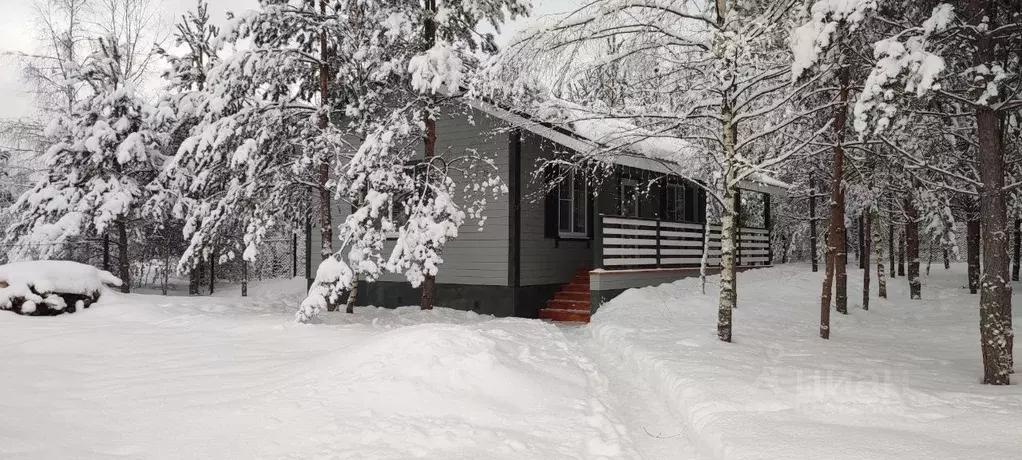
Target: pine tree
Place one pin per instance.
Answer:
(105, 155)
(973, 74)
(424, 59)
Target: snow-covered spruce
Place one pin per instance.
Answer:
(103, 155)
(421, 58)
(51, 287)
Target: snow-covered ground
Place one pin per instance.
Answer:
(900, 381)
(175, 377)
(143, 376)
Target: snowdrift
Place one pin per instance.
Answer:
(51, 287)
(898, 382)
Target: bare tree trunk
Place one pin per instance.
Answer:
(812, 224)
(326, 227)
(705, 259)
(841, 260)
(429, 284)
(929, 258)
(738, 228)
(123, 259)
(836, 249)
(1017, 256)
(729, 233)
(352, 295)
(890, 243)
(915, 285)
(828, 288)
(996, 333)
(972, 231)
(901, 253)
(867, 229)
(838, 210)
(244, 278)
(193, 281)
(728, 240)
(429, 35)
(165, 279)
(862, 242)
(879, 247)
(212, 271)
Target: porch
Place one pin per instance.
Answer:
(631, 243)
(630, 252)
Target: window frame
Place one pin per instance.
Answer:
(396, 232)
(671, 206)
(569, 180)
(634, 184)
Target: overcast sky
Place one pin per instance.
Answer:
(17, 34)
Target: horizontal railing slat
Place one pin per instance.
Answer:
(640, 243)
(629, 231)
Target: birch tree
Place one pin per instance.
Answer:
(711, 79)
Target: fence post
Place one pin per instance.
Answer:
(598, 241)
(658, 263)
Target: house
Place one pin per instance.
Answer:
(560, 254)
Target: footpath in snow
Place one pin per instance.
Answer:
(900, 381)
(174, 377)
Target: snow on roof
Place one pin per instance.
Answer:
(619, 141)
(619, 134)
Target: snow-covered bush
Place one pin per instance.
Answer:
(51, 287)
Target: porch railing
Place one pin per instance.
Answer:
(625, 243)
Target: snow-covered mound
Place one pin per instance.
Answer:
(51, 287)
(219, 377)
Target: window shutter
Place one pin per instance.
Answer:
(550, 202)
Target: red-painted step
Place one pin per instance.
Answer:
(564, 315)
(569, 295)
(571, 303)
(560, 304)
(576, 287)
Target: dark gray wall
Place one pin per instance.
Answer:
(544, 260)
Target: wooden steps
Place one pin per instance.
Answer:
(571, 303)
